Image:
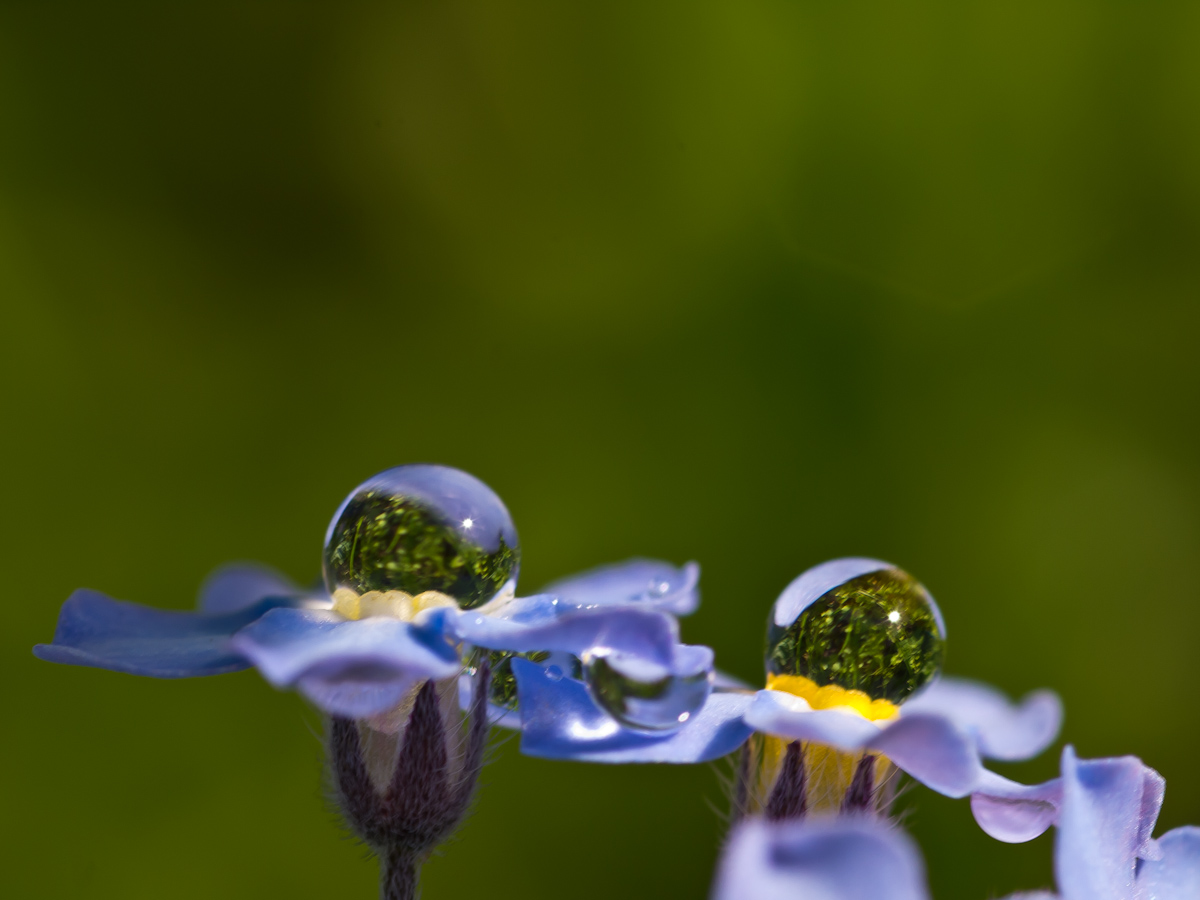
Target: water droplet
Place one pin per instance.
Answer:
(641, 695)
(554, 673)
(879, 633)
(407, 529)
(658, 588)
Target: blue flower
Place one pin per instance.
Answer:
(384, 621)
(821, 742)
(1104, 809)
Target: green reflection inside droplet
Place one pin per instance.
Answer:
(388, 542)
(502, 688)
(875, 633)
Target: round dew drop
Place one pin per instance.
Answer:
(654, 704)
(423, 528)
(877, 633)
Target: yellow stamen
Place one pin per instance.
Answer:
(830, 696)
(386, 604)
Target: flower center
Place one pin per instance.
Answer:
(831, 696)
(386, 604)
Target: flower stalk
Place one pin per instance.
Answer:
(429, 787)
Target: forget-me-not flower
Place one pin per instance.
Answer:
(1104, 809)
(420, 568)
(854, 650)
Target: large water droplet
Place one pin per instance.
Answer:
(423, 528)
(641, 695)
(502, 689)
(879, 633)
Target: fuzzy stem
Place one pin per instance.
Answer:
(399, 870)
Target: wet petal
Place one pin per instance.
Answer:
(650, 635)
(238, 585)
(649, 583)
(348, 668)
(1176, 876)
(560, 721)
(1002, 729)
(834, 859)
(95, 630)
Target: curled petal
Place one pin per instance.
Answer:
(648, 583)
(1002, 729)
(1176, 874)
(846, 859)
(653, 636)
(785, 715)
(1101, 827)
(348, 668)
(238, 585)
(561, 721)
(95, 630)
(1015, 813)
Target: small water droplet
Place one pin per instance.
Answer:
(643, 696)
(554, 673)
(878, 633)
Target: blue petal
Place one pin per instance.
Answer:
(95, 630)
(814, 583)
(1013, 812)
(648, 583)
(831, 859)
(560, 721)
(237, 585)
(783, 715)
(1101, 827)
(348, 668)
(1002, 729)
(653, 636)
(1176, 876)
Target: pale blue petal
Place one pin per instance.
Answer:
(1013, 812)
(1100, 827)
(830, 859)
(560, 721)
(650, 635)
(1176, 876)
(349, 668)
(95, 630)
(237, 585)
(648, 583)
(1002, 729)
(783, 715)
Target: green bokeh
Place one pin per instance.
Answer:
(756, 284)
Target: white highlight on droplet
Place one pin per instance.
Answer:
(468, 523)
(894, 616)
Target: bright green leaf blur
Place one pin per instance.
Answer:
(754, 283)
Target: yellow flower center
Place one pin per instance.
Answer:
(386, 604)
(830, 696)
(828, 770)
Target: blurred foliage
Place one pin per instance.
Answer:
(756, 284)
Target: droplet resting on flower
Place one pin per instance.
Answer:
(415, 529)
(877, 634)
(640, 696)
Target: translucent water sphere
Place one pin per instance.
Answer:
(878, 632)
(423, 528)
(646, 700)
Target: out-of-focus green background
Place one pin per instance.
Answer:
(754, 283)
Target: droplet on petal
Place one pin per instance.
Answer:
(423, 528)
(642, 695)
(878, 633)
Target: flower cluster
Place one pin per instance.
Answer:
(416, 644)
